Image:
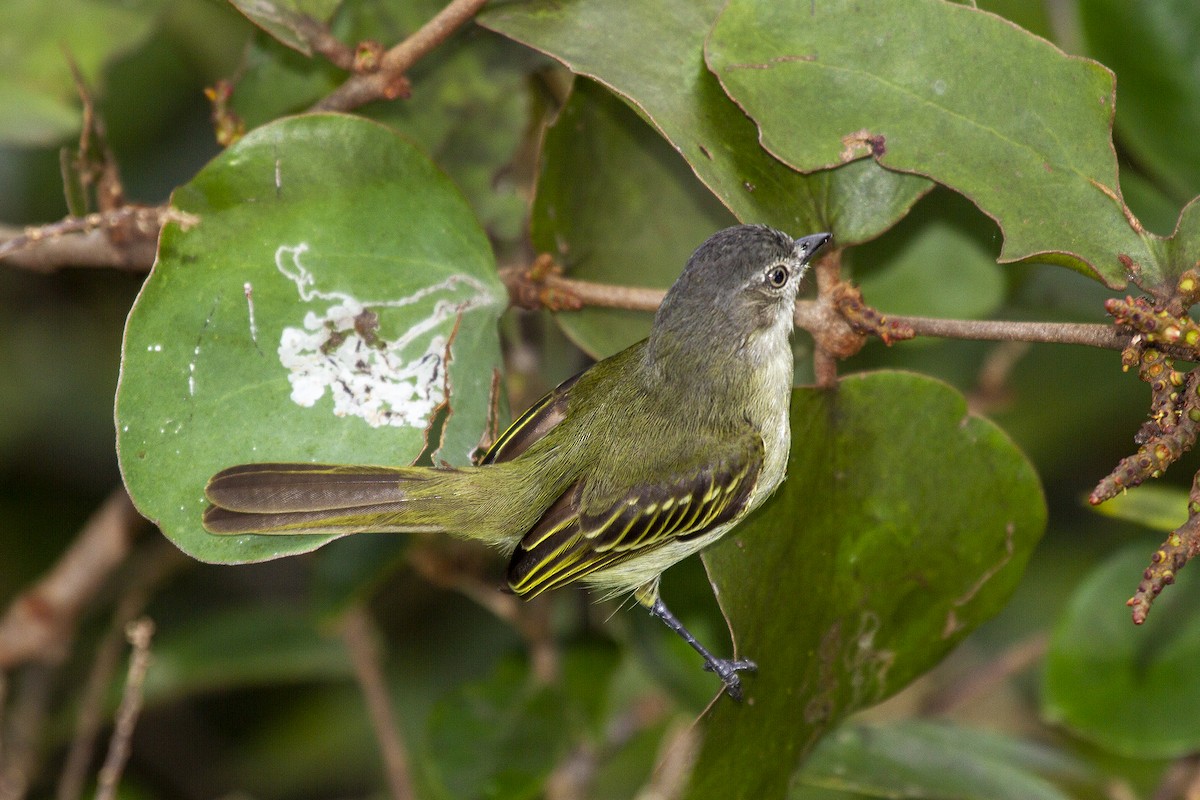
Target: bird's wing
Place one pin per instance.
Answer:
(532, 425)
(579, 536)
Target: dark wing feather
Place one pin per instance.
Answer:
(570, 542)
(532, 425)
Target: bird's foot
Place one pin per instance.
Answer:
(727, 670)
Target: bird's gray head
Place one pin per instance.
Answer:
(738, 286)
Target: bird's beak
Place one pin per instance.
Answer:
(806, 246)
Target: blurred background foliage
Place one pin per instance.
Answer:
(253, 691)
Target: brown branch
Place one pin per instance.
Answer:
(358, 634)
(139, 634)
(317, 35)
(556, 292)
(389, 81)
(125, 238)
(39, 624)
(1090, 334)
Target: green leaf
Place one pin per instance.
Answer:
(250, 645)
(1153, 50)
(935, 761)
(652, 54)
(633, 222)
(905, 522)
(1156, 506)
(938, 262)
(932, 84)
(253, 339)
(39, 103)
(286, 20)
(496, 739)
(1122, 685)
(1182, 250)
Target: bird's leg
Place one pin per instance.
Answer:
(726, 668)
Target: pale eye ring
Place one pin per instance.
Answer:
(778, 276)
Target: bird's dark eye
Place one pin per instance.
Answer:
(777, 276)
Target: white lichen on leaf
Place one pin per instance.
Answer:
(395, 381)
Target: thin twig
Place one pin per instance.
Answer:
(153, 566)
(40, 623)
(139, 632)
(358, 634)
(390, 81)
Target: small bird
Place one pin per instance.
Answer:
(620, 472)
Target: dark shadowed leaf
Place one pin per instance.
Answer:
(1152, 47)
(633, 222)
(651, 54)
(905, 522)
(1121, 685)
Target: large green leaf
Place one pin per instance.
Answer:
(39, 102)
(499, 738)
(932, 88)
(1122, 685)
(253, 340)
(904, 523)
(651, 54)
(1160, 95)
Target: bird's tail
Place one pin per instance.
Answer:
(323, 498)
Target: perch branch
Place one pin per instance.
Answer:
(539, 287)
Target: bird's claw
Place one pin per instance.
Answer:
(727, 670)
